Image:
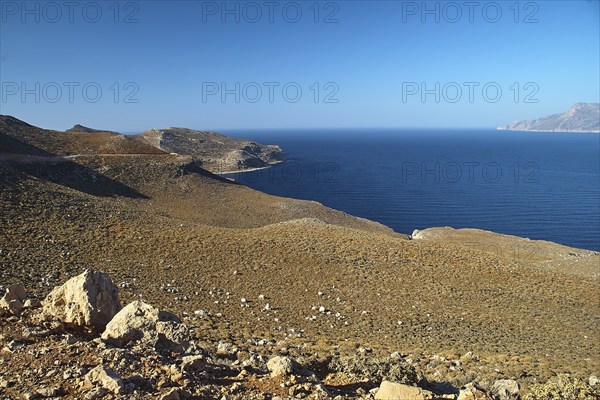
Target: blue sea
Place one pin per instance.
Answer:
(536, 185)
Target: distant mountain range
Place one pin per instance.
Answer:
(581, 117)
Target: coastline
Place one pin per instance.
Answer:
(547, 131)
(248, 170)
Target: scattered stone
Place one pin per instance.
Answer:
(471, 392)
(168, 376)
(96, 393)
(505, 389)
(280, 366)
(13, 292)
(49, 392)
(32, 303)
(224, 348)
(175, 394)
(397, 391)
(70, 339)
(417, 234)
(105, 378)
(201, 313)
(88, 300)
(15, 307)
(13, 299)
(320, 392)
(31, 396)
(193, 363)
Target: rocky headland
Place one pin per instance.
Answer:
(581, 117)
(213, 151)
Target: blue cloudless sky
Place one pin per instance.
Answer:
(134, 65)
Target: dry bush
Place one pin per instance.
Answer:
(375, 370)
(563, 387)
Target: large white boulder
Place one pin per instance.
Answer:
(140, 321)
(88, 300)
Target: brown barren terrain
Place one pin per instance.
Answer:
(186, 240)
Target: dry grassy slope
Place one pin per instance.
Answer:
(160, 220)
(176, 187)
(543, 254)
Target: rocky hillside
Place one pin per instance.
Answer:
(80, 342)
(19, 137)
(214, 152)
(345, 298)
(107, 165)
(581, 117)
